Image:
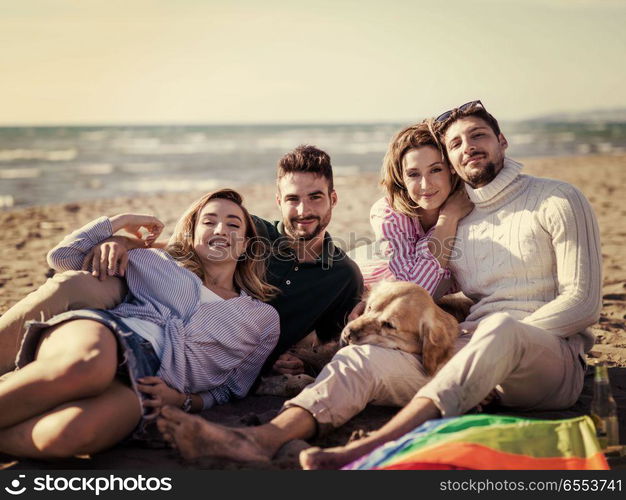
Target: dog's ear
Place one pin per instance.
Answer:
(439, 332)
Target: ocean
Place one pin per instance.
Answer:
(43, 165)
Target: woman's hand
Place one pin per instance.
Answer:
(442, 239)
(161, 393)
(133, 223)
(457, 206)
(108, 258)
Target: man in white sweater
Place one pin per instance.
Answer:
(529, 257)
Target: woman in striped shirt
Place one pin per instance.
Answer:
(416, 221)
(193, 331)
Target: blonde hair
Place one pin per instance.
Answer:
(412, 137)
(249, 272)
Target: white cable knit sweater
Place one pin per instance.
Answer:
(531, 248)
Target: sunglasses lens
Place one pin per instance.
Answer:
(443, 116)
(470, 105)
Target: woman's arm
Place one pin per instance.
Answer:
(241, 378)
(110, 257)
(70, 253)
(441, 239)
(245, 350)
(238, 340)
(409, 257)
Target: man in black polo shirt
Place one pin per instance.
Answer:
(319, 285)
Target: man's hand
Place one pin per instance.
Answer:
(357, 311)
(490, 398)
(108, 258)
(288, 364)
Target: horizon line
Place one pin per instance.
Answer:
(298, 123)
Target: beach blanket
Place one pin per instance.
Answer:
(488, 442)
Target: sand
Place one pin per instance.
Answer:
(30, 232)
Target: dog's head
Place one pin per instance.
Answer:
(402, 315)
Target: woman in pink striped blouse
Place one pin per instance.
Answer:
(416, 221)
(193, 331)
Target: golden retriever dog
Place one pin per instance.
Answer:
(402, 315)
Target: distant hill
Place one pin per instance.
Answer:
(596, 115)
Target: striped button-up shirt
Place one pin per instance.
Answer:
(213, 349)
(400, 252)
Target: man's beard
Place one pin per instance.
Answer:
(482, 176)
(303, 235)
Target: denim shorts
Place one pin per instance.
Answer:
(136, 357)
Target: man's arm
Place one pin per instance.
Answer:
(331, 322)
(570, 221)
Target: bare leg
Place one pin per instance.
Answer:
(418, 411)
(79, 427)
(76, 359)
(195, 437)
(65, 291)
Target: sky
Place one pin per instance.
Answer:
(291, 61)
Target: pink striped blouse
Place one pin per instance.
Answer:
(400, 252)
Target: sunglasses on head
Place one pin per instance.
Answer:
(444, 116)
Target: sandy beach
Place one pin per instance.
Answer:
(30, 232)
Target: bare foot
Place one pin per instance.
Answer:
(195, 437)
(328, 458)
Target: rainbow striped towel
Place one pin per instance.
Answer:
(488, 442)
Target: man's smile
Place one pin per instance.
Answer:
(305, 222)
(476, 157)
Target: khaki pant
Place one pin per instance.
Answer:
(528, 367)
(63, 292)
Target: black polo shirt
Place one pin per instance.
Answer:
(315, 295)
